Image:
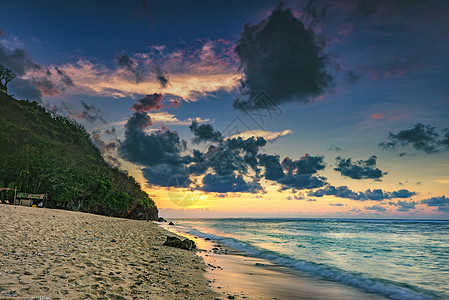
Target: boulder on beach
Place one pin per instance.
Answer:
(186, 244)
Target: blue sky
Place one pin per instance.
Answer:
(341, 78)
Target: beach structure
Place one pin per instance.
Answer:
(27, 199)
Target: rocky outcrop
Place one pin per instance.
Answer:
(186, 244)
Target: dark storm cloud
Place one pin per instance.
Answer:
(361, 169)
(377, 208)
(403, 193)
(375, 195)
(441, 202)
(127, 63)
(204, 133)
(235, 155)
(229, 183)
(167, 175)
(299, 174)
(228, 165)
(148, 103)
(161, 146)
(309, 164)
(421, 137)
(283, 58)
(404, 205)
(161, 153)
(273, 168)
(301, 182)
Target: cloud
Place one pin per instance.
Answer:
(299, 174)
(148, 103)
(403, 193)
(101, 144)
(164, 117)
(204, 133)
(161, 77)
(404, 205)
(64, 78)
(441, 202)
(377, 208)
(163, 154)
(273, 168)
(362, 169)
(334, 148)
(445, 140)
(228, 183)
(375, 195)
(33, 80)
(268, 135)
(130, 65)
(316, 10)
(336, 204)
(283, 58)
(161, 146)
(199, 69)
(421, 137)
(90, 113)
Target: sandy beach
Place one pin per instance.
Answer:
(71, 255)
(232, 273)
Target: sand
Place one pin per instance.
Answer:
(60, 254)
(231, 273)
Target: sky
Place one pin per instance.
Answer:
(250, 108)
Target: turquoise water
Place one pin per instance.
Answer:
(399, 259)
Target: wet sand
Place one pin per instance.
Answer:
(232, 274)
(60, 254)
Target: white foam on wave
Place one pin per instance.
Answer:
(380, 287)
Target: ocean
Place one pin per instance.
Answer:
(398, 259)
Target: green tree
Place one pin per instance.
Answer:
(6, 75)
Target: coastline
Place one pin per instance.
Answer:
(235, 275)
(61, 254)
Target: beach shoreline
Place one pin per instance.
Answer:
(235, 275)
(61, 254)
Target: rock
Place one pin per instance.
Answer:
(207, 239)
(12, 294)
(171, 223)
(173, 241)
(160, 219)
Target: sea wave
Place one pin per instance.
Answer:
(377, 286)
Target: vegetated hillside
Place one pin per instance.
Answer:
(42, 152)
